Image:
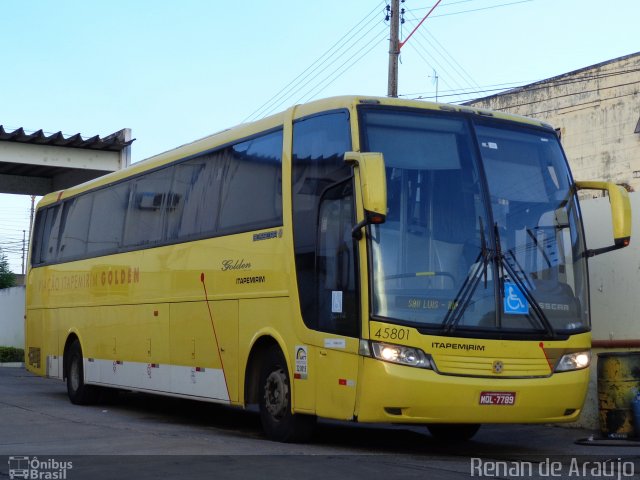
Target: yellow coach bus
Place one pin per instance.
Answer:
(355, 258)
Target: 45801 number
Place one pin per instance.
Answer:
(392, 333)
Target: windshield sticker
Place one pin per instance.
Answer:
(514, 302)
(336, 301)
(491, 145)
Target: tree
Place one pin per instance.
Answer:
(7, 277)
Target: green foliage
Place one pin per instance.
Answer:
(7, 278)
(11, 354)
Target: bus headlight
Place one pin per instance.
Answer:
(410, 356)
(574, 361)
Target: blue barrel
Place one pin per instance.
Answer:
(618, 387)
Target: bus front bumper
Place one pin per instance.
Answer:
(394, 393)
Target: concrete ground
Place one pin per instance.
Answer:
(143, 436)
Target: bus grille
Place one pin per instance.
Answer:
(492, 367)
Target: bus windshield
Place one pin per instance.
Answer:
(482, 232)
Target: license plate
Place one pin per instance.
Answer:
(497, 398)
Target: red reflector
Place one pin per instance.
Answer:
(297, 375)
(342, 381)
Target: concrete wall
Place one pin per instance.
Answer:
(596, 110)
(12, 317)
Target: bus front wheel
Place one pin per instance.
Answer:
(453, 432)
(278, 421)
(79, 393)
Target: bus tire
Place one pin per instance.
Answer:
(278, 421)
(453, 432)
(79, 393)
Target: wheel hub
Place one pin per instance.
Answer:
(276, 392)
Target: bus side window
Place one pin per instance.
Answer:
(42, 235)
(52, 226)
(150, 199)
(107, 219)
(73, 239)
(253, 166)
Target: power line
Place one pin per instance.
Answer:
(338, 73)
(515, 87)
(313, 80)
(460, 69)
(268, 106)
(475, 9)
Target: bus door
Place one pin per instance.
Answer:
(337, 304)
(326, 260)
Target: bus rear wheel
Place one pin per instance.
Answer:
(278, 421)
(79, 393)
(453, 432)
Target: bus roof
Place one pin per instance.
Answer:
(245, 130)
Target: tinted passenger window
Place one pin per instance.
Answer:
(196, 185)
(43, 247)
(150, 198)
(76, 214)
(235, 189)
(107, 219)
(251, 195)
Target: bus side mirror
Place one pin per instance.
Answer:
(620, 213)
(373, 185)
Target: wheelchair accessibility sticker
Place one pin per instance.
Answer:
(514, 302)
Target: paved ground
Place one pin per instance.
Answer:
(142, 436)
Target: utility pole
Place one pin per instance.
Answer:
(394, 48)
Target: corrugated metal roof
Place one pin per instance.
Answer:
(114, 142)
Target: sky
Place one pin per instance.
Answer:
(177, 71)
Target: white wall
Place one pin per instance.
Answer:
(12, 317)
(614, 277)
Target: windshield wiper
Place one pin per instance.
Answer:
(520, 283)
(465, 294)
(468, 288)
